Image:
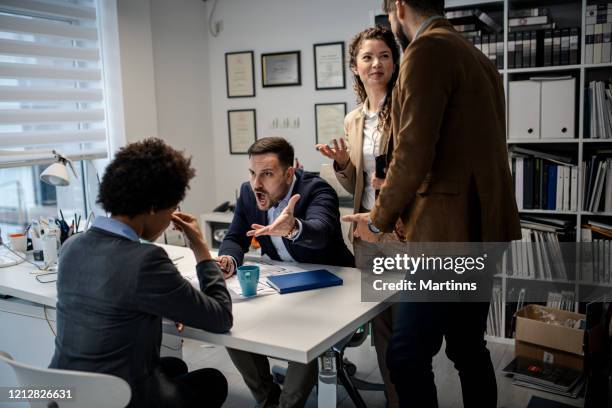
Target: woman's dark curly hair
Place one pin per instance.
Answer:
(144, 176)
(385, 35)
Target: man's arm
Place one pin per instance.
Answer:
(425, 85)
(236, 242)
(322, 218)
(161, 290)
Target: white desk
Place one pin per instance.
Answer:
(298, 327)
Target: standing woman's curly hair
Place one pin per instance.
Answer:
(385, 35)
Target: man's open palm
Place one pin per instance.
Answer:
(283, 224)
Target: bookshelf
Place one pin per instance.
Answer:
(566, 14)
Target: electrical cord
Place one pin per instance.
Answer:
(214, 32)
(48, 321)
(23, 258)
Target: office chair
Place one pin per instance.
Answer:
(89, 390)
(345, 370)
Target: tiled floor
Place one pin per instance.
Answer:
(199, 355)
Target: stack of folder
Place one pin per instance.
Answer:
(597, 182)
(494, 319)
(598, 110)
(542, 376)
(491, 45)
(563, 300)
(598, 48)
(538, 254)
(535, 18)
(543, 48)
(543, 181)
(596, 255)
(482, 30)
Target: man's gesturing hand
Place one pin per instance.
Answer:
(282, 226)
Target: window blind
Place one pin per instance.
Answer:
(51, 82)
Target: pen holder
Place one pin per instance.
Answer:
(37, 243)
(49, 248)
(248, 276)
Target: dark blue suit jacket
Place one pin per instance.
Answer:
(321, 238)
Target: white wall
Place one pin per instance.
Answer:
(173, 75)
(164, 68)
(272, 26)
(137, 74)
(182, 89)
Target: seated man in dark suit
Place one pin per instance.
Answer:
(295, 217)
(114, 290)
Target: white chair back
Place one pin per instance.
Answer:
(89, 390)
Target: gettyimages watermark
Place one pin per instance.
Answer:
(467, 272)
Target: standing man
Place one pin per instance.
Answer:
(296, 218)
(448, 181)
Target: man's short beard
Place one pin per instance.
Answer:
(402, 39)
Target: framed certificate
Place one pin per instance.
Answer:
(239, 74)
(329, 66)
(329, 120)
(281, 69)
(242, 128)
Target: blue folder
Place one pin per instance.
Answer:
(299, 281)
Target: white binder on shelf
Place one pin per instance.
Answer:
(518, 186)
(590, 31)
(524, 110)
(566, 188)
(597, 44)
(560, 173)
(574, 188)
(558, 108)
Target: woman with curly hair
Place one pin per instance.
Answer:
(113, 289)
(374, 59)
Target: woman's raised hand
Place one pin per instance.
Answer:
(339, 153)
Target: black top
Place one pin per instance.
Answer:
(111, 296)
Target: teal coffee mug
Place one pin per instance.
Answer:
(248, 276)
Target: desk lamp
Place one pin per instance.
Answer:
(57, 174)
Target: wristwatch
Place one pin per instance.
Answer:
(294, 231)
(372, 227)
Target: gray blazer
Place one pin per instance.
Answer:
(112, 295)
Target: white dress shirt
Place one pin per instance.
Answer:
(371, 149)
(273, 214)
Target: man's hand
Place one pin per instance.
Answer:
(298, 165)
(226, 264)
(281, 226)
(339, 153)
(361, 230)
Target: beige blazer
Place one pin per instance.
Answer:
(449, 178)
(352, 176)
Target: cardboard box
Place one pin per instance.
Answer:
(533, 325)
(549, 355)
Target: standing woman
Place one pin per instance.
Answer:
(374, 59)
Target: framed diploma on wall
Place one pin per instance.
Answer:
(281, 69)
(239, 74)
(329, 121)
(242, 128)
(329, 66)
